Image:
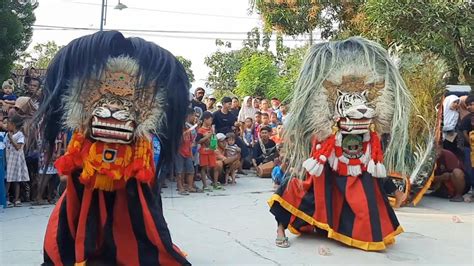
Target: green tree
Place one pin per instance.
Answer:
(290, 71)
(16, 21)
(442, 27)
(294, 17)
(291, 17)
(187, 66)
(225, 63)
(40, 56)
(258, 76)
(224, 67)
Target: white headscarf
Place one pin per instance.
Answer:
(450, 116)
(245, 111)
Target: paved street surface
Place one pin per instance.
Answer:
(234, 227)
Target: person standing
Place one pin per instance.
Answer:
(224, 120)
(34, 91)
(211, 104)
(450, 122)
(235, 108)
(197, 100)
(247, 110)
(3, 136)
(17, 171)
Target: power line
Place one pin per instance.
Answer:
(173, 11)
(158, 33)
(133, 30)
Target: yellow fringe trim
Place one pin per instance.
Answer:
(422, 192)
(369, 246)
(104, 182)
(80, 263)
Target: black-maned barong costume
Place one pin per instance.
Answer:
(113, 93)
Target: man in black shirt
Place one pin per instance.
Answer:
(467, 126)
(197, 101)
(224, 120)
(265, 150)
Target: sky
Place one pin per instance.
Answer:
(229, 16)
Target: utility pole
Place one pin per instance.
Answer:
(102, 13)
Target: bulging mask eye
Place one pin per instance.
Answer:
(122, 115)
(102, 112)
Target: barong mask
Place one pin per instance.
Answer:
(112, 110)
(114, 93)
(346, 97)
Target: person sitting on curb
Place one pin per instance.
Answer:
(232, 151)
(224, 163)
(265, 149)
(449, 181)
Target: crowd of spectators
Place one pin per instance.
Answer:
(454, 173)
(24, 175)
(222, 139)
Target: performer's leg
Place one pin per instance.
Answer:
(282, 217)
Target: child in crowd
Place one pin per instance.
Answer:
(282, 113)
(207, 156)
(273, 120)
(17, 171)
(231, 150)
(8, 99)
(258, 121)
(3, 136)
(278, 173)
(195, 149)
(184, 167)
(277, 136)
(248, 132)
(48, 175)
(248, 139)
(265, 120)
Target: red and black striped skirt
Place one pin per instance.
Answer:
(353, 210)
(123, 227)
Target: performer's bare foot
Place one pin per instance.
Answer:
(400, 197)
(281, 240)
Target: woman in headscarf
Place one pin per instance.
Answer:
(247, 110)
(450, 122)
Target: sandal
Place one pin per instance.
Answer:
(10, 205)
(217, 186)
(282, 242)
(18, 204)
(184, 193)
(207, 189)
(196, 190)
